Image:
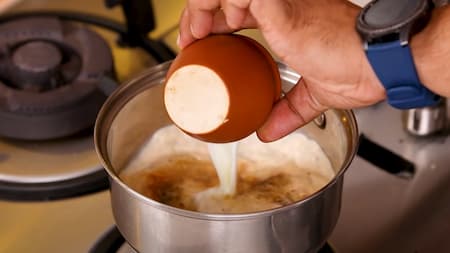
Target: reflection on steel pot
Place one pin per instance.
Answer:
(136, 110)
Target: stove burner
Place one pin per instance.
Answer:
(39, 101)
(53, 75)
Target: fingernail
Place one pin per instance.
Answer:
(194, 32)
(191, 27)
(178, 40)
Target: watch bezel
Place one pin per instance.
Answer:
(403, 29)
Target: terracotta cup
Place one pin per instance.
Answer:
(222, 88)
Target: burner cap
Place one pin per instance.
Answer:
(53, 75)
(37, 62)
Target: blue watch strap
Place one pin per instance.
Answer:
(394, 66)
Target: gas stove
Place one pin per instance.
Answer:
(396, 196)
(57, 67)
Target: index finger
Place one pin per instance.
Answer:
(201, 18)
(196, 21)
(201, 14)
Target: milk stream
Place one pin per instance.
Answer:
(224, 156)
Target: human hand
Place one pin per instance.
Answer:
(317, 38)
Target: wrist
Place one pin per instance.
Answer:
(431, 52)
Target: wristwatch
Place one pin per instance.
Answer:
(386, 27)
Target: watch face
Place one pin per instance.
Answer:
(386, 19)
(387, 13)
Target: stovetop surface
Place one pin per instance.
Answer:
(381, 212)
(384, 212)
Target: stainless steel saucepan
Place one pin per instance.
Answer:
(136, 110)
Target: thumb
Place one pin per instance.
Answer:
(295, 109)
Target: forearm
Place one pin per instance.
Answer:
(431, 50)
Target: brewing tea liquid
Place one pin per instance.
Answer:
(178, 170)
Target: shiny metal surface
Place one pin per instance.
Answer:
(426, 121)
(69, 226)
(126, 248)
(382, 212)
(47, 161)
(300, 229)
(136, 110)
